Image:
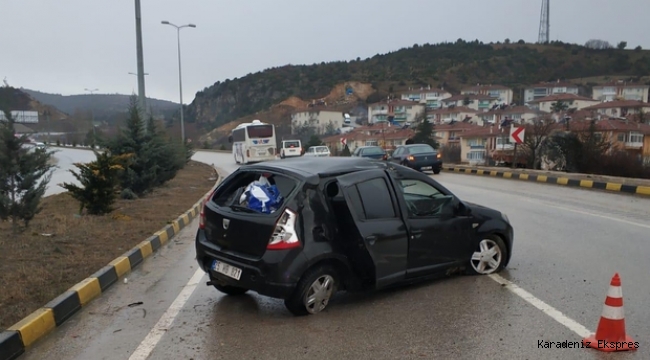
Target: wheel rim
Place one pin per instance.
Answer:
(319, 293)
(488, 257)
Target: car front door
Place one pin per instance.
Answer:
(439, 235)
(396, 157)
(378, 222)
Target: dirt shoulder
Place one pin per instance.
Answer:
(61, 248)
(560, 174)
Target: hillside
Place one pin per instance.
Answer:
(451, 65)
(15, 99)
(105, 107)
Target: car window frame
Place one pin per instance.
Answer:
(400, 192)
(394, 202)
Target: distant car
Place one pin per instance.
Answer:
(373, 152)
(290, 148)
(345, 223)
(418, 157)
(318, 151)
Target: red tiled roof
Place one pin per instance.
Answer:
(618, 104)
(622, 84)
(563, 97)
(514, 110)
(484, 131)
(613, 125)
(460, 126)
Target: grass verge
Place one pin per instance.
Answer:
(61, 248)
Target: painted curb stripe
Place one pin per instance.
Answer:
(589, 184)
(41, 322)
(11, 346)
(64, 306)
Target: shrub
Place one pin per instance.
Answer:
(98, 182)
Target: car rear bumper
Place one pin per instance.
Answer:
(433, 164)
(275, 274)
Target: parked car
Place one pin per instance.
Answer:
(373, 152)
(318, 151)
(290, 148)
(418, 157)
(345, 223)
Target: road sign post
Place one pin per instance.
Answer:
(516, 137)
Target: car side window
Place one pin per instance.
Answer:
(398, 152)
(422, 199)
(376, 200)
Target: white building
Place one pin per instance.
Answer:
(319, 120)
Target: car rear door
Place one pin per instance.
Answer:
(372, 202)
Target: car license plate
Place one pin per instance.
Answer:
(228, 270)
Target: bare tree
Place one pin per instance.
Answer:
(536, 135)
(598, 44)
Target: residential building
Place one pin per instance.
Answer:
(624, 134)
(477, 145)
(542, 90)
(399, 111)
(451, 114)
(502, 93)
(450, 134)
(573, 101)
(320, 120)
(431, 98)
(478, 102)
(621, 91)
(620, 108)
(518, 114)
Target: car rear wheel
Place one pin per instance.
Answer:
(314, 291)
(489, 257)
(436, 171)
(230, 290)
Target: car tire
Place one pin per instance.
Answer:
(231, 290)
(436, 171)
(490, 246)
(296, 304)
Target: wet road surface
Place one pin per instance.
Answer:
(569, 243)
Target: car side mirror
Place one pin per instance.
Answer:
(461, 208)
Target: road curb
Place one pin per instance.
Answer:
(555, 180)
(19, 337)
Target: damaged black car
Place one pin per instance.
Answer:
(301, 230)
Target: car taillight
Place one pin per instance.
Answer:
(385, 157)
(438, 156)
(202, 213)
(284, 235)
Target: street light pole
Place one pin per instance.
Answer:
(92, 116)
(140, 57)
(180, 80)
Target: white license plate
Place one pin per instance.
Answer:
(228, 270)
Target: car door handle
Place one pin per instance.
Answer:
(371, 239)
(416, 233)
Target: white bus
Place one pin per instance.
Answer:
(253, 142)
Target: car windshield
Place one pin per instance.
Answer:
(320, 149)
(373, 151)
(421, 149)
(291, 144)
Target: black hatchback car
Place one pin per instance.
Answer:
(418, 157)
(350, 224)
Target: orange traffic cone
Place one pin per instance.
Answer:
(611, 335)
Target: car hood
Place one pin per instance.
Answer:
(483, 210)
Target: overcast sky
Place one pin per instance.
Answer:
(66, 46)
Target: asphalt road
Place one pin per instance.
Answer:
(569, 243)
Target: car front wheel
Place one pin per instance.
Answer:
(489, 256)
(313, 292)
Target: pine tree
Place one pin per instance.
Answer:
(424, 133)
(24, 175)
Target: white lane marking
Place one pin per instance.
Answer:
(544, 307)
(155, 335)
(592, 214)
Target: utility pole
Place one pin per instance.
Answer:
(92, 117)
(140, 55)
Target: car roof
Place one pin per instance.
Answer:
(323, 167)
(414, 145)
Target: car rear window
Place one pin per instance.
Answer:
(420, 149)
(231, 190)
(373, 151)
(291, 144)
(321, 149)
